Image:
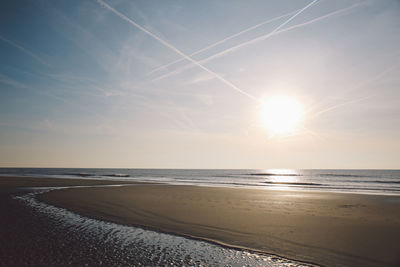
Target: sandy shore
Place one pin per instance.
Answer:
(331, 229)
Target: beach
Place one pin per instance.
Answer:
(329, 229)
(324, 228)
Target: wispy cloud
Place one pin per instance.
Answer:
(65, 81)
(353, 101)
(362, 84)
(173, 48)
(225, 40)
(24, 50)
(200, 78)
(258, 39)
(82, 37)
(6, 80)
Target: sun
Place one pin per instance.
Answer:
(281, 114)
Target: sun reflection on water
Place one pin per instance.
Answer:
(282, 179)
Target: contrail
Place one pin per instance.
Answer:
(260, 38)
(266, 36)
(173, 48)
(341, 104)
(224, 40)
(101, 2)
(23, 49)
(361, 85)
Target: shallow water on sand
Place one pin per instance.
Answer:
(104, 243)
(351, 181)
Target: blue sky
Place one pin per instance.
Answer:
(81, 85)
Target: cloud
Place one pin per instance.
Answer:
(258, 39)
(360, 85)
(23, 49)
(6, 80)
(201, 78)
(173, 48)
(225, 40)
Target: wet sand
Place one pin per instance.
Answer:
(17, 181)
(332, 229)
(33, 233)
(29, 237)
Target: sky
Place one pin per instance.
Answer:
(180, 84)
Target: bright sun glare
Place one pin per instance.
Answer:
(281, 114)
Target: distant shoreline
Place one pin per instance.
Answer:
(372, 182)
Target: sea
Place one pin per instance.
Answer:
(366, 181)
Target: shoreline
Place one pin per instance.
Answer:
(315, 227)
(76, 181)
(21, 181)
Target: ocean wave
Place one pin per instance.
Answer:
(275, 174)
(364, 189)
(117, 175)
(80, 174)
(342, 175)
(292, 183)
(85, 174)
(386, 182)
(369, 182)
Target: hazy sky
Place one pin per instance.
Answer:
(80, 83)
